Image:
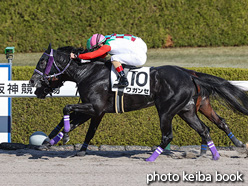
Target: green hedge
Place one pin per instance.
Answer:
(132, 128)
(30, 25)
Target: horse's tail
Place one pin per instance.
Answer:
(235, 98)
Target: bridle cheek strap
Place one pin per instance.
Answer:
(49, 66)
(50, 63)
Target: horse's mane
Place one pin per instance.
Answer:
(69, 49)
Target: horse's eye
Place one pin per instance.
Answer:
(43, 64)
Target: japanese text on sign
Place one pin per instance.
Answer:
(24, 89)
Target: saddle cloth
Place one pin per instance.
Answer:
(138, 78)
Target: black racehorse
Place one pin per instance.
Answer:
(174, 90)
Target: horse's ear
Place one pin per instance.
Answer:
(49, 48)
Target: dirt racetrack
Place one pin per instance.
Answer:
(177, 167)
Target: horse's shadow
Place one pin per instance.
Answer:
(133, 154)
(37, 154)
(46, 155)
(33, 153)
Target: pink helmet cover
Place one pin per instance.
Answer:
(96, 39)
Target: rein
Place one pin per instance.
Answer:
(49, 65)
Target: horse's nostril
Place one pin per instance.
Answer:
(31, 82)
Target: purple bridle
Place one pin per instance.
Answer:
(49, 66)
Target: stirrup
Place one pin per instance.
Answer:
(122, 83)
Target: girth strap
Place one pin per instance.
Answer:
(119, 95)
(119, 105)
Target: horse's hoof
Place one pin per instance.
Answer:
(42, 147)
(240, 144)
(65, 140)
(81, 153)
(151, 159)
(216, 157)
(203, 152)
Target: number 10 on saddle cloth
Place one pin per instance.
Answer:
(138, 78)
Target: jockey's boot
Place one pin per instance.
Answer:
(122, 80)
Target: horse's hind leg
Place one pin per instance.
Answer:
(208, 111)
(187, 115)
(194, 122)
(166, 110)
(167, 136)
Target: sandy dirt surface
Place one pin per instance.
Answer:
(176, 167)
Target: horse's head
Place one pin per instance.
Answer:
(47, 75)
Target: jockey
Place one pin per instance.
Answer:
(123, 48)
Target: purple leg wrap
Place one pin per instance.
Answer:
(67, 123)
(57, 138)
(213, 150)
(156, 153)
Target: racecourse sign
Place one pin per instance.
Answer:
(5, 109)
(24, 89)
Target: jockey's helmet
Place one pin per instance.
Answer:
(95, 40)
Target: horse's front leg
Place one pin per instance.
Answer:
(95, 121)
(85, 109)
(74, 115)
(76, 119)
(48, 143)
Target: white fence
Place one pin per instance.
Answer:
(241, 84)
(23, 89)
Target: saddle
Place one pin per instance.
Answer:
(139, 83)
